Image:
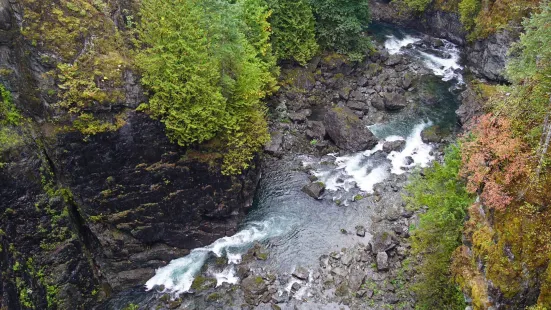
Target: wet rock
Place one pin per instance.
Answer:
(347, 130)
(274, 146)
(253, 287)
(431, 134)
(314, 189)
(382, 241)
(396, 146)
(382, 261)
(295, 287)
(279, 299)
(409, 160)
(360, 231)
(394, 101)
(301, 273)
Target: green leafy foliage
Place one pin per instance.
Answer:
(9, 115)
(207, 70)
(293, 25)
(340, 26)
(418, 5)
(439, 231)
(468, 10)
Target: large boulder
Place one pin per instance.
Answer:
(397, 146)
(314, 189)
(315, 130)
(382, 242)
(382, 261)
(394, 101)
(274, 146)
(347, 130)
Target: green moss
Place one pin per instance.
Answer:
(201, 283)
(358, 197)
(214, 297)
(258, 280)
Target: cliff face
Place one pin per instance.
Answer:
(85, 216)
(485, 58)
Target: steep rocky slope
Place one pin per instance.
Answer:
(85, 216)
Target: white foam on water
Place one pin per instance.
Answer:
(363, 171)
(179, 274)
(228, 275)
(394, 45)
(416, 148)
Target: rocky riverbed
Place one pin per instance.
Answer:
(329, 228)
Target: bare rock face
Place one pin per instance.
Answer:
(347, 130)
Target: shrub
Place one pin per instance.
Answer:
(468, 10)
(439, 231)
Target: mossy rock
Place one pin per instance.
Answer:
(201, 283)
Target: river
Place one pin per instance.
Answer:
(297, 229)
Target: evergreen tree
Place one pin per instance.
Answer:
(293, 30)
(206, 77)
(340, 26)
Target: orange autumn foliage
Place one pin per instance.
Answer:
(494, 161)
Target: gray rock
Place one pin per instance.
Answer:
(378, 103)
(339, 272)
(407, 80)
(295, 287)
(300, 117)
(409, 160)
(397, 146)
(301, 273)
(394, 60)
(279, 299)
(362, 81)
(357, 96)
(394, 101)
(382, 241)
(254, 285)
(382, 261)
(356, 280)
(314, 189)
(274, 146)
(347, 259)
(316, 130)
(358, 105)
(360, 231)
(347, 130)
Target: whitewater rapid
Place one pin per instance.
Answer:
(446, 67)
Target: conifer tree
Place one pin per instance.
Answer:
(293, 30)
